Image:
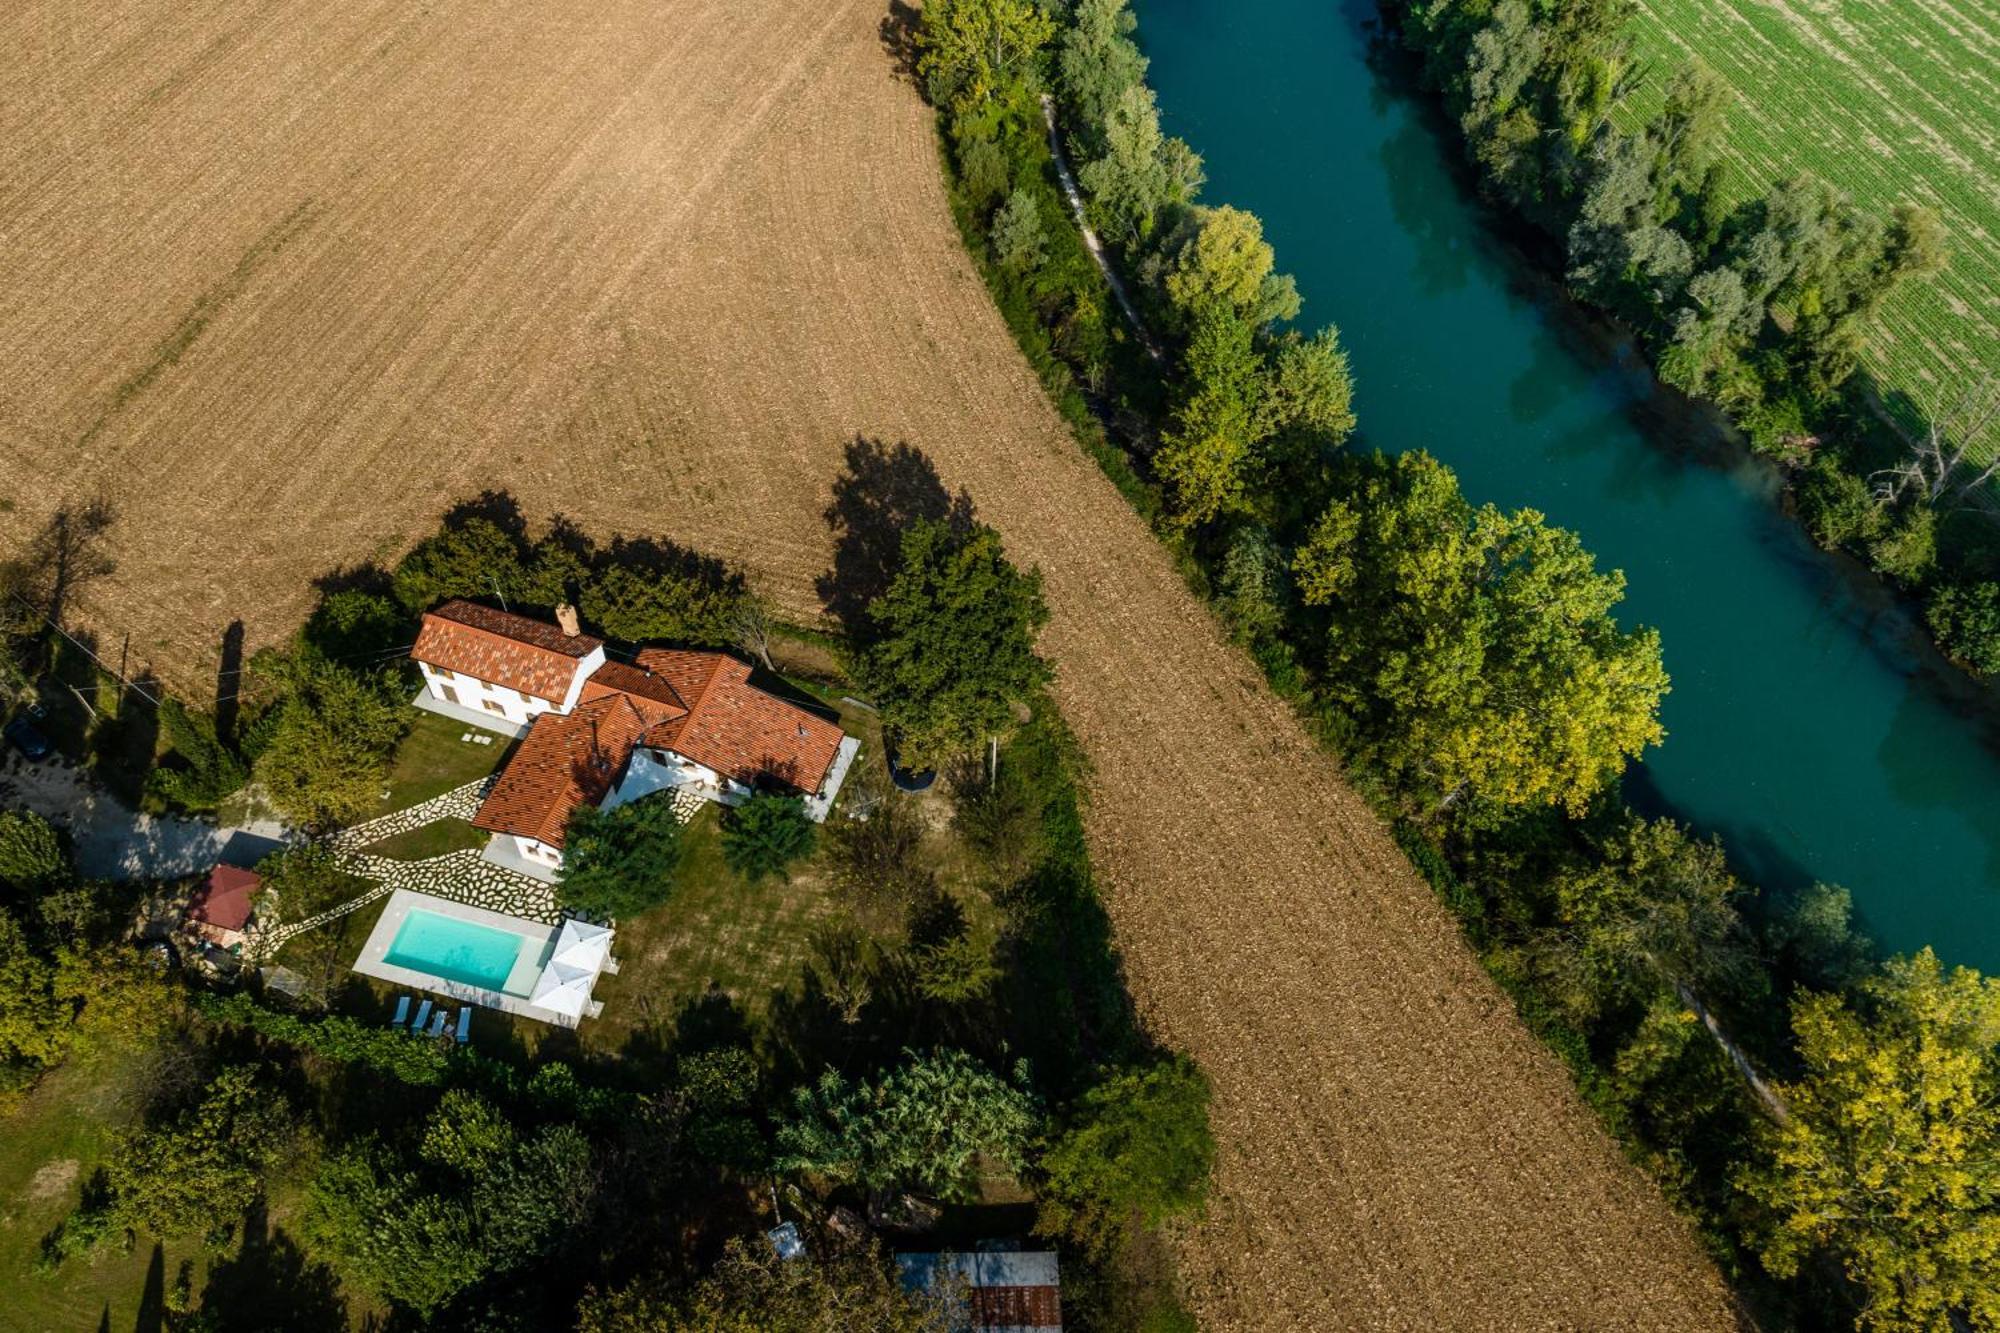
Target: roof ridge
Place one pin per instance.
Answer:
(708, 686)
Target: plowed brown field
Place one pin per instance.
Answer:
(281, 280)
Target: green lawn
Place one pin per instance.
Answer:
(432, 760)
(748, 940)
(1890, 102)
(433, 839)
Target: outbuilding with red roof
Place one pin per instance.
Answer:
(222, 909)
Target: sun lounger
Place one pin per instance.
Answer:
(402, 1011)
(464, 1022)
(423, 1013)
(437, 1024)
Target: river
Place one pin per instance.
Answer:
(1808, 725)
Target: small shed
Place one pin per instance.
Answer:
(223, 907)
(1007, 1291)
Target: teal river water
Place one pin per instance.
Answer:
(1806, 724)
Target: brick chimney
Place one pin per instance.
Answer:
(566, 620)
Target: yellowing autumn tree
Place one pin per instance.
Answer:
(1478, 647)
(973, 50)
(1891, 1159)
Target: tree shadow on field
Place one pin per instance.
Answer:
(881, 491)
(899, 38)
(499, 508)
(271, 1283)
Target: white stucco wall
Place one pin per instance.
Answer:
(537, 851)
(649, 771)
(585, 668)
(481, 696)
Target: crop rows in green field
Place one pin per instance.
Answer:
(1890, 100)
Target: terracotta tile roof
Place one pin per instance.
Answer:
(565, 760)
(225, 900)
(503, 649)
(643, 687)
(686, 670)
(737, 729)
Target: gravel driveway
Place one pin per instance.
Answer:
(114, 841)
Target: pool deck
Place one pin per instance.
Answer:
(527, 965)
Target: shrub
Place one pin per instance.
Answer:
(1836, 505)
(33, 854)
(1966, 619)
(1908, 550)
(620, 862)
(1136, 1145)
(923, 1125)
(208, 770)
(765, 834)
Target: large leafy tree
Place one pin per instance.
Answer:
(972, 51)
(951, 642)
(1654, 910)
(620, 862)
(689, 604)
(1097, 63)
(196, 1174)
(1138, 1144)
(924, 1125)
(1891, 1157)
(1206, 455)
(322, 750)
(475, 557)
(1227, 263)
(387, 1233)
(1479, 648)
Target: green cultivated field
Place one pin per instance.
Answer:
(1890, 100)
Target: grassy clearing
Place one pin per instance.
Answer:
(748, 941)
(1892, 103)
(48, 1147)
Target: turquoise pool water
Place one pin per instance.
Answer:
(455, 950)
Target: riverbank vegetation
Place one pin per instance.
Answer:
(945, 1047)
(1765, 299)
(1889, 103)
(1469, 663)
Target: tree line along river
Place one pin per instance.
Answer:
(1809, 724)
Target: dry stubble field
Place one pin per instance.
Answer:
(280, 281)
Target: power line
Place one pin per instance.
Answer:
(85, 648)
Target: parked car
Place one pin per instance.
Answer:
(26, 737)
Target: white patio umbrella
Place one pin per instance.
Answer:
(562, 989)
(581, 945)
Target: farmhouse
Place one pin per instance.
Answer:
(602, 733)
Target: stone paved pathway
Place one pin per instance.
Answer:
(461, 876)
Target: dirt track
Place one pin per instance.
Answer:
(281, 284)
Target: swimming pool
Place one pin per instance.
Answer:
(455, 950)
